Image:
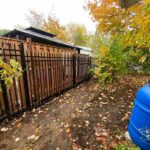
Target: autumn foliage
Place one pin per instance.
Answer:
(53, 25)
(130, 26)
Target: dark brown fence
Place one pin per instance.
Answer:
(47, 71)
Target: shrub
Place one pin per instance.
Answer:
(10, 71)
(110, 59)
(125, 147)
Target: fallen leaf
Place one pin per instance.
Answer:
(4, 129)
(87, 122)
(57, 148)
(79, 126)
(103, 103)
(100, 138)
(18, 125)
(17, 139)
(33, 110)
(68, 130)
(36, 138)
(112, 98)
(73, 115)
(31, 137)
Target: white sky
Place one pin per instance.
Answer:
(13, 12)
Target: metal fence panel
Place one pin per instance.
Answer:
(47, 71)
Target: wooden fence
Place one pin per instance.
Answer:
(47, 71)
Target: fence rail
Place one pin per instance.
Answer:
(47, 71)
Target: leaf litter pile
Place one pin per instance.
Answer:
(88, 117)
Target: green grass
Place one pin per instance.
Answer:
(125, 147)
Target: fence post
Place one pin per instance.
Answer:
(90, 65)
(5, 97)
(25, 79)
(74, 70)
(90, 61)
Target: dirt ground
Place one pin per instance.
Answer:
(89, 117)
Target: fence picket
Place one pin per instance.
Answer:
(25, 78)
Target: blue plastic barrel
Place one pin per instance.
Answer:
(139, 125)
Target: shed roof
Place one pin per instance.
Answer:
(84, 48)
(33, 32)
(40, 31)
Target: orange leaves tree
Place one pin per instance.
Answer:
(111, 18)
(52, 24)
(131, 26)
(49, 24)
(75, 34)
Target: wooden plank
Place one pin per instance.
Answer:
(29, 74)
(40, 77)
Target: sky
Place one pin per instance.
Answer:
(14, 12)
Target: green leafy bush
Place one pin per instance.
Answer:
(110, 59)
(10, 71)
(125, 147)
